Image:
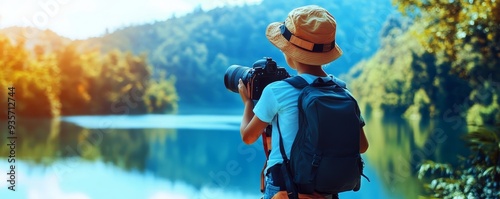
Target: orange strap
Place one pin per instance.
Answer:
(262, 179)
(266, 151)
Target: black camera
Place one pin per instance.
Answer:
(263, 72)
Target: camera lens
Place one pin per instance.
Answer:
(232, 76)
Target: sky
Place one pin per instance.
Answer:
(80, 19)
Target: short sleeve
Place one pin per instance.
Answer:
(267, 106)
(358, 112)
(361, 121)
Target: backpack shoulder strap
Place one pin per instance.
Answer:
(291, 189)
(300, 83)
(340, 82)
(343, 85)
(297, 82)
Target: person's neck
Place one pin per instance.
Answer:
(312, 70)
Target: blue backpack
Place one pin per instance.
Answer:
(325, 154)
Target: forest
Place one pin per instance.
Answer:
(442, 65)
(173, 64)
(431, 66)
(55, 77)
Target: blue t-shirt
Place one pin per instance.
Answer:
(280, 98)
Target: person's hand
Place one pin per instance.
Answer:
(242, 89)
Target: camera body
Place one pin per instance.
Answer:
(262, 73)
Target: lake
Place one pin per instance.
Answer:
(195, 156)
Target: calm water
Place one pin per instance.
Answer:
(194, 156)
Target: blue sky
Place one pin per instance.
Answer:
(80, 19)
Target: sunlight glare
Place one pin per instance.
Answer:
(91, 18)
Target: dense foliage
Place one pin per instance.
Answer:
(441, 62)
(403, 79)
(478, 176)
(437, 78)
(63, 79)
(467, 35)
(465, 32)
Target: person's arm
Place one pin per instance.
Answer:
(251, 126)
(363, 142)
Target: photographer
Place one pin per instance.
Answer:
(307, 40)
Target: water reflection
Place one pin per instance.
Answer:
(398, 146)
(77, 179)
(201, 157)
(210, 159)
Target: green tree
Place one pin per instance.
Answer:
(467, 35)
(477, 176)
(465, 32)
(35, 80)
(74, 94)
(76, 80)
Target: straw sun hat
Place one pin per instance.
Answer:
(306, 36)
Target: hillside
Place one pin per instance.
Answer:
(197, 48)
